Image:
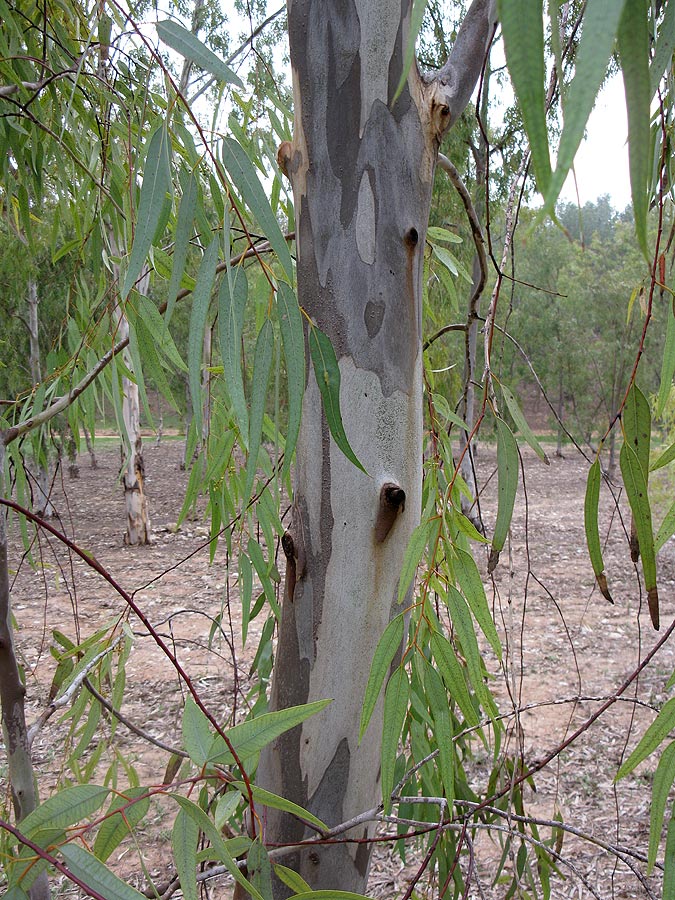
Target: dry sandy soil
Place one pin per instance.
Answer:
(564, 642)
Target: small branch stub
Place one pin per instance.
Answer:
(284, 157)
(392, 502)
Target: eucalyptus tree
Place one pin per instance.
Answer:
(361, 161)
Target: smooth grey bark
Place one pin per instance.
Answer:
(361, 167)
(12, 696)
(42, 504)
(137, 526)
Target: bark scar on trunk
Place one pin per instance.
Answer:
(294, 552)
(392, 502)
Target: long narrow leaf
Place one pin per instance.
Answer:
(246, 180)
(663, 781)
(523, 29)
(668, 363)
(474, 592)
(396, 698)
(636, 489)
(184, 228)
(97, 875)
(440, 711)
(591, 503)
(327, 374)
(198, 316)
(451, 671)
(184, 837)
(189, 46)
(386, 650)
(600, 25)
(293, 341)
(152, 203)
(633, 38)
(507, 478)
(231, 307)
(262, 366)
(250, 737)
(522, 426)
(650, 740)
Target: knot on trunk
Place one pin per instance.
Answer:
(392, 502)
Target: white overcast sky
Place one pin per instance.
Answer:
(601, 164)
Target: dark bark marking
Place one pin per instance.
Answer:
(373, 316)
(402, 105)
(362, 859)
(412, 237)
(392, 502)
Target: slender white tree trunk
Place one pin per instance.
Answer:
(362, 166)
(42, 504)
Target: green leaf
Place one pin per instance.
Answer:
(124, 813)
(591, 502)
(637, 425)
(184, 838)
(217, 843)
(267, 798)
(198, 315)
(461, 619)
(327, 374)
(245, 593)
(669, 863)
(666, 529)
(472, 587)
(522, 426)
(293, 341)
(434, 233)
(69, 806)
(416, 19)
(197, 732)
(507, 486)
(440, 710)
(250, 737)
(291, 879)
(260, 868)
(184, 230)
(231, 307)
(262, 367)
(413, 553)
(636, 489)
(451, 671)
(663, 52)
(151, 205)
(657, 732)
(666, 457)
(396, 698)
(189, 46)
(633, 41)
(600, 25)
(668, 364)
(246, 180)
(663, 781)
(523, 30)
(97, 875)
(387, 648)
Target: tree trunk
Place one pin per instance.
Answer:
(42, 504)
(12, 692)
(90, 449)
(133, 468)
(133, 475)
(561, 413)
(361, 167)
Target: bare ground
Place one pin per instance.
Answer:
(567, 651)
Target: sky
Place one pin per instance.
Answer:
(601, 163)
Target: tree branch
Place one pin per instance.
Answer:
(456, 80)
